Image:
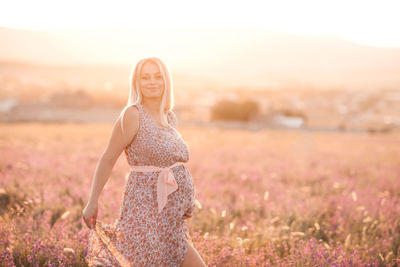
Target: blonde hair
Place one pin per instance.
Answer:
(135, 94)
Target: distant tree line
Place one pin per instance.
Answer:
(235, 110)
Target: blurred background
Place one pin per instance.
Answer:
(287, 64)
(290, 110)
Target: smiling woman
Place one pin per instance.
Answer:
(159, 193)
(151, 85)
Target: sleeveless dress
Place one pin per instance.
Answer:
(143, 235)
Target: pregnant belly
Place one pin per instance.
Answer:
(182, 200)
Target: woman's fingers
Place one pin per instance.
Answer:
(94, 218)
(189, 212)
(90, 223)
(93, 222)
(86, 222)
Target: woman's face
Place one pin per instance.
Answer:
(151, 81)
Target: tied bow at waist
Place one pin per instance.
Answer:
(166, 183)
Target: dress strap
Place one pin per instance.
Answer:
(139, 107)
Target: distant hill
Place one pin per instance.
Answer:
(218, 58)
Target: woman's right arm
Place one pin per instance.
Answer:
(117, 143)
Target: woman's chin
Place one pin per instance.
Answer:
(153, 96)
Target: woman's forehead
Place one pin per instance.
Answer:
(150, 68)
(143, 73)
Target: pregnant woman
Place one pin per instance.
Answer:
(159, 193)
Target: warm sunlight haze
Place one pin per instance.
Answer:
(264, 133)
(367, 22)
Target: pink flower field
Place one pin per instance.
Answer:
(263, 198)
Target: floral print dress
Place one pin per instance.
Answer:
(143, 236)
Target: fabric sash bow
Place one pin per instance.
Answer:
(166, 182)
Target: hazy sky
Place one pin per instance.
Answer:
(367, 22)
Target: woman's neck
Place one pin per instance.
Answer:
(152, 105)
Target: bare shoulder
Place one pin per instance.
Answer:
(125, 129)
(130, 120)
(132, 111)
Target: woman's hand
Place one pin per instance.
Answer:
(89, 214)
(189, 213)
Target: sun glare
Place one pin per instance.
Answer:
(367, 22)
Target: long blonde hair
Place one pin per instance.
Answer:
(135, 94)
